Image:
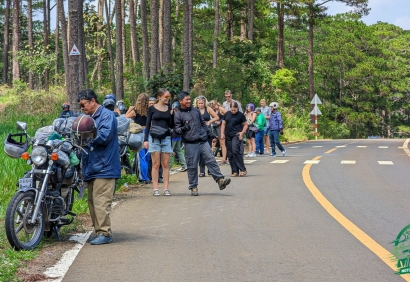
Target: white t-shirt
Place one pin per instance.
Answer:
(227, 106)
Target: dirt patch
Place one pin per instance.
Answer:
(53, 250)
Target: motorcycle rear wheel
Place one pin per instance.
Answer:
(21, 233)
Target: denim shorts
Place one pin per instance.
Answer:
(159, 145)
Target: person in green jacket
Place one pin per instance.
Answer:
(260, 122)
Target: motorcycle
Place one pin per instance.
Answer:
(45, 196)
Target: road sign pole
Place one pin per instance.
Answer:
(315, 101)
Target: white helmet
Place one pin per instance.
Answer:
(275, 105)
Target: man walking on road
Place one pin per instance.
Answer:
(192, 127)
(101, 165)
(275, 127)
(265, 110)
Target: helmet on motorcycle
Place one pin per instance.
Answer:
(14, 148)
(84, 129)
(250, 106)
(274, 105)
(111, 96)
(66, 105)
(109, 104)
(121, 106)
(176, 104)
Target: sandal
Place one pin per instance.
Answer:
(234, 174)
(202, 174)
(243, 173)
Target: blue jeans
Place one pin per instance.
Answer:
(259, 142)
(274, 139)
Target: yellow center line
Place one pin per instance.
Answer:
(331, 150)
(365, 239)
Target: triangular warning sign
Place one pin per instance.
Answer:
(316, 111)
(74, 51)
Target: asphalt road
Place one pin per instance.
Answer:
(267, 226)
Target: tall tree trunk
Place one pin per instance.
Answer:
(75, 65)
(280, 59)
(145, 47)
(30, 40)
(57, 48)
(251, 18)
(46, 40)
(166, 61)
(229, 28)
(243, 24)
(191, 38)
(161, 32)
(133, 33)
(177, 7)
(154, 36)
(16, 39)
(310, 58)
(100, 40)
(123, 34)
(64, 40)
(81, 42)
(119, 85)
(110, 51)
(216, 33)
(187, 44)
(6, 42)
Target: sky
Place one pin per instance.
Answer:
(395, 12)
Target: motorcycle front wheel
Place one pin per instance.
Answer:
(21, 233)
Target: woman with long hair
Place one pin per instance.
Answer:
(159, 117)
(209, 116)
(250, 116)
(233, 127)
(138, 114)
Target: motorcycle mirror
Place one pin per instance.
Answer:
(21, 126)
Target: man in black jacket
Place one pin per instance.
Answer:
(190, 124)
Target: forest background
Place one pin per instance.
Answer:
(283, 50)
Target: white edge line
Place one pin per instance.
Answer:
(61, 267)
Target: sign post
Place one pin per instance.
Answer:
(316, 101)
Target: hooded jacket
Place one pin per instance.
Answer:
(275, 121)
(199, 130)
(103, 158)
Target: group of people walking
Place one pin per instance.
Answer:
(197, 126)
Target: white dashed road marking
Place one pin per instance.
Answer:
(383, 147)
(348, 162)
(361, 146)
(279, 162)
(60, 269)
(344, 146)
(317, 146)
(293, 147)
(385, 163)
(249, 161)
(311, 162)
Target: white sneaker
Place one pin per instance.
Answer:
(284, 153)
(253, 154)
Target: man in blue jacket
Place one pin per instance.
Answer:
(189, 123)
(275, 128)
(101, 165)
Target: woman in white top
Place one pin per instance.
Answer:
(250, 134)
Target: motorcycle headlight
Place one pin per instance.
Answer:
(39, 155)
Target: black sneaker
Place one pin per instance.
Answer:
(223, 182)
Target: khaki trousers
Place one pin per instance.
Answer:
(100, 194)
